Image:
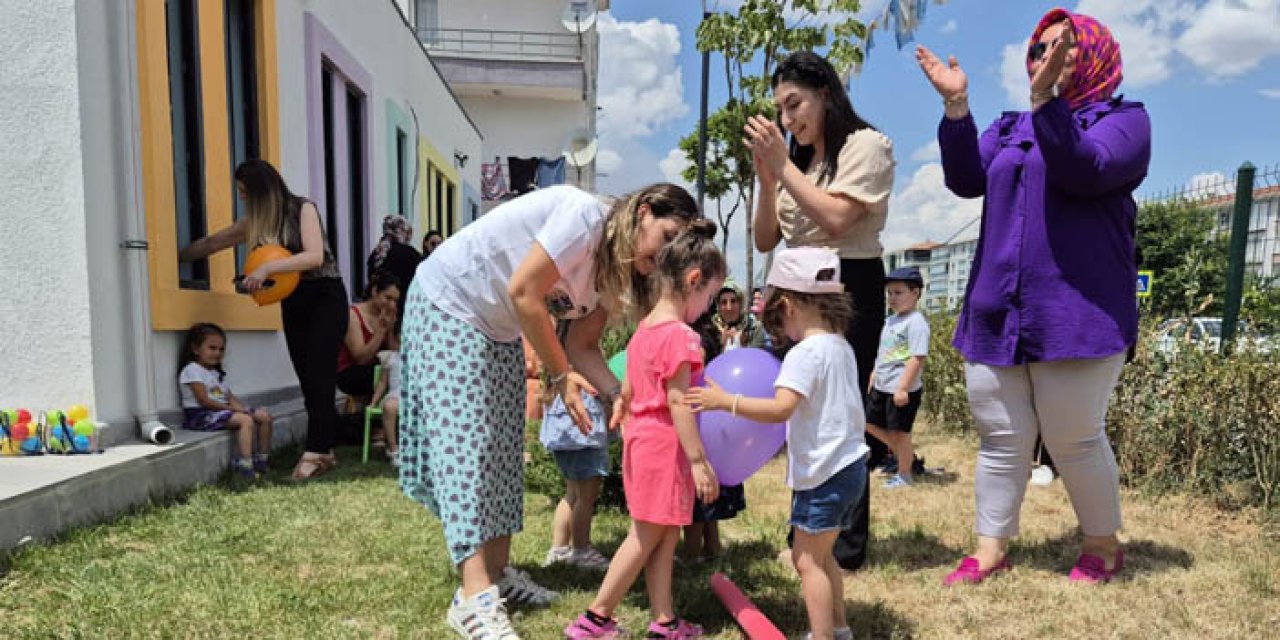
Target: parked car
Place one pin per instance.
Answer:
(1205, 333)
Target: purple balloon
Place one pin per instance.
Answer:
(737, 447)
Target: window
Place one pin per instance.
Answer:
(186, 120)
(206, 79)
(402, 167)
(356, 168)
(330, 180)
(426, 17)
(242, 94)
(450, 202)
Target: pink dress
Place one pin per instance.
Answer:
(655, 471)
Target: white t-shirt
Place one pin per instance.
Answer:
(218, 390)
(903, 336)
(826, 431)
(391, 363)
(467, 276)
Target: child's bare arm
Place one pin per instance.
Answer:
(235, 403)
(767, 410)
(704, 477)
(202, 396)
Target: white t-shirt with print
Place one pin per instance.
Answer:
(467, 276)
(218, 390)
(826, 432)
(903, 336)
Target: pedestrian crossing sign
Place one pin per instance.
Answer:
(1144, 284)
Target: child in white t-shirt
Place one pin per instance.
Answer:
(817, 392)
(896, 386)
(209, 405)
(387, 394)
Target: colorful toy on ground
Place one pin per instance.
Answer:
(737, 447)
(751, 619)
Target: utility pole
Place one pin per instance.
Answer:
(702, 123)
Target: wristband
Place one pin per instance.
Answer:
(955, 99)
(556, 380)
(734, 410)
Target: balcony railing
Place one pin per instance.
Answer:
(518, 45)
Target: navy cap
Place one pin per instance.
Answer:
(905, 274)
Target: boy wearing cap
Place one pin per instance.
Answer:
(818, 395)
(896, 383)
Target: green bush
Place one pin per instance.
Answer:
(1190, 421)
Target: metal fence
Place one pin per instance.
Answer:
(1246, 204)
(502, 44)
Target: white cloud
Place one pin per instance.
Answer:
(1013, 75)
(640, 83)
(1227, 39)
(930, 152)
(924, 209)
(1274, 94)
(608, 161)
(673, 165)
(1213, 183)
(640, 92)
(951, 26)
(1146, 31)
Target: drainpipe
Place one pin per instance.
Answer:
(134, 244)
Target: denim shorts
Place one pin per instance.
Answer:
(829, 506)
(583, 464)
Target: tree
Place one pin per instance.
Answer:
(751, 42)
(1188, 260)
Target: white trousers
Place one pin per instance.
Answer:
(1064, 402)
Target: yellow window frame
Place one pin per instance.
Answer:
(172, 307)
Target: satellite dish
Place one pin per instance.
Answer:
(580, 148)
(578, 15)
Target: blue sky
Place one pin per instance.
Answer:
(1207, 70)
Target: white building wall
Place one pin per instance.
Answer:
(45, 313)
(524, 126)
(69, 154)
(539, 16)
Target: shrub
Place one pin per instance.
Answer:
(1190, 421)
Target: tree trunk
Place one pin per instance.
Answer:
(751, 240)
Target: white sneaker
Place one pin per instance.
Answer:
(519, 588)
(1042, 476)
(480, 617)
(589, 558)
(557, 555)
(394, 458)
(843, 633)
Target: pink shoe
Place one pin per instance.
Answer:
(683, 629)
(584, 629)
(1091, 569)
(969, 573)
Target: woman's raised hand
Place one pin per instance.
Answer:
(948, 79)
(768, 147)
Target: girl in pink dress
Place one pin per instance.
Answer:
(663, 465)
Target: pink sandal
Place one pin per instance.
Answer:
(969, 573)
(1091, 569)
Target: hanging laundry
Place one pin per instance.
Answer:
(524, 174)
(904, 21)
(550, 171)
(493, 183)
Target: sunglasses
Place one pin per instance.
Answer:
(1039, 49)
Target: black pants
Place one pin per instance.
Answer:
(864, 283)
(356, 380)
(315, 321)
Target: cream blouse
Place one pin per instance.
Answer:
(864, 172)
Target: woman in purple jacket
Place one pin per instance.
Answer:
(1050, 308)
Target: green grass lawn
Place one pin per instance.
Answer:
(348, 556)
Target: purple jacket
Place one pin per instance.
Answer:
(1054, 274)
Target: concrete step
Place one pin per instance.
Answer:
(42, 496)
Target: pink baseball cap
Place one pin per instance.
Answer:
(806, 270)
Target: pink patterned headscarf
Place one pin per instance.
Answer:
(1098, 69)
